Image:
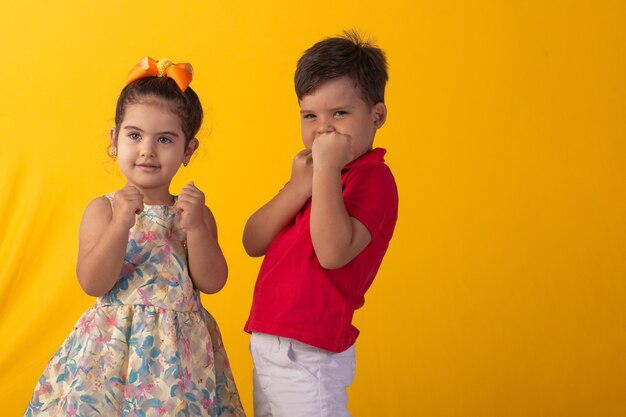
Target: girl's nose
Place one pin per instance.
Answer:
(147, 148)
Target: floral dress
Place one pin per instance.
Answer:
(147, 347)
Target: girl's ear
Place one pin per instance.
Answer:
(191, 148)
(113, 141)
(379, 113)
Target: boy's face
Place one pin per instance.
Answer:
(336, 106)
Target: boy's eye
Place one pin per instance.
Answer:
(308, 116)
(164, 139)
(340, 113)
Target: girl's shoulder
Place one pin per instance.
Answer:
(96, 217)
(102, 205)
(108, 197)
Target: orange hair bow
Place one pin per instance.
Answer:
(148, 67)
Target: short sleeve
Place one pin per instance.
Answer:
(371, 196)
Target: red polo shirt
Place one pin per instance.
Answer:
(294, 296)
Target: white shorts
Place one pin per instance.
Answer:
(293, 379)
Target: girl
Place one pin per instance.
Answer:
(148, 347)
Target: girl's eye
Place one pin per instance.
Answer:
(134, 136)
(164, 139)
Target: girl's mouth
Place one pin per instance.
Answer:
(147, 167)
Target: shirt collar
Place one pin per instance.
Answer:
(375, 155)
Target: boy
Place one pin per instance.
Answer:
(323, 235)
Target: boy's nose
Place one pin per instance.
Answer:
(325, 128)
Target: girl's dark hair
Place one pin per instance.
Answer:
(186, 105)
(350, 56)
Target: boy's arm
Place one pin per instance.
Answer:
(263, 226)
(337, 237)
(103, 238)
(207, 266)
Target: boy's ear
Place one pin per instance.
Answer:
(191, 148)
(379, 112)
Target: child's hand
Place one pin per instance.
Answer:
(332, 150)
(190, 206)
(127, 202)
(302, 172)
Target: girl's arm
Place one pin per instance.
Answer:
(207, 266)
(263, 226)
(337, 237)
(103, 238)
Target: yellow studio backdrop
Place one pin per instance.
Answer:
(503, 292)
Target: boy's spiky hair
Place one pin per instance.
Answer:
(348, 55)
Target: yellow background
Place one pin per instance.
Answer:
(503, 292)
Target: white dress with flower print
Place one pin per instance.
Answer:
(147, 347)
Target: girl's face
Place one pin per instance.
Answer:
(151, 146)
